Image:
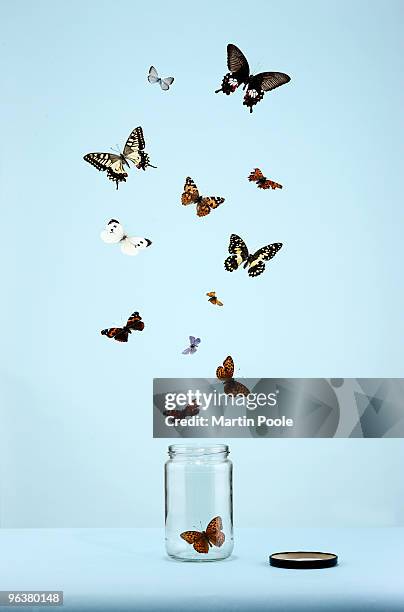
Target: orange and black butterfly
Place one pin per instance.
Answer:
(203, 204)
(262, 181)
(121, 334)
(213, 299)
(181, 413)
(225, 374)
(203, 540)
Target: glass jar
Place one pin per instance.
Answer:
(199, 503)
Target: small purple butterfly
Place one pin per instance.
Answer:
(193, 344)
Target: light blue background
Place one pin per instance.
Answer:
(76, 412)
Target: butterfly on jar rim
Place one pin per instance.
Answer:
(121, 334)
(256, 176)
(193, 345)
(181, 413)
(203, 540)
(115, 234)
(154, 78)
(203, 204)
(256, 85)
(115, 164)
(254, 261)
(225, 374)
(213, 299)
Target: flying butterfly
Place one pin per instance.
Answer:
(203, 204)
(121, 334)
(181, 413)
(262, 181)
(213, 299)
(193, 345)
(203, 540)
(115, 164)
(254, 261)
(130, 245)
(225, 374)
(239, 74)
(154, 78)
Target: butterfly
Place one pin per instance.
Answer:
(203, 540)
(115, 164)
(193, 345)
(239, 74)
(130, 245)
(262, 181)
(188, 411)
(213, 299)
(225, 374)
(154, 78)
(191, 196)
(254, 261)
(121, 334)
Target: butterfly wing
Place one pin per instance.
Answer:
(260, 83)
(135, 322)
(204, 207)
(134, 149)
(256, 264)
(133, 244)
(191, 193)
(233, 387)
(214, 531)
(239, 253)
(187, 351)
(239, 70)
(255, 175)
(226, 371)
(197, 539)
(197, 341)
(268, 184)
(211, 294)
(153, 75)
(109, 162)
(165, 83)
(134, 145)
(113, 232)
(117, 333)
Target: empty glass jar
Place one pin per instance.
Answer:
(199, 503)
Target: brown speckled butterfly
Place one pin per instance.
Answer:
(213, 299)
(203, 540)
(262, 181)
(256, 85)
(121, 334)
(225, 374)
(183, 413)
(203, 204)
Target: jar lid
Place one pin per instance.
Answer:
(303, 559)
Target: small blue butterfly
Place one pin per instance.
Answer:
(193, 344)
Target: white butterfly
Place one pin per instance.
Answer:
(154, 78)
(130, 245)
(115, 164)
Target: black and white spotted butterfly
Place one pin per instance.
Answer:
(254, 261)
(154, 78)
(239, 74)
(115, 164)
(130, 245)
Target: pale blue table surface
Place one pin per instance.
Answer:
(126, 569)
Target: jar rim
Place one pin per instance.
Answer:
(197, 450)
